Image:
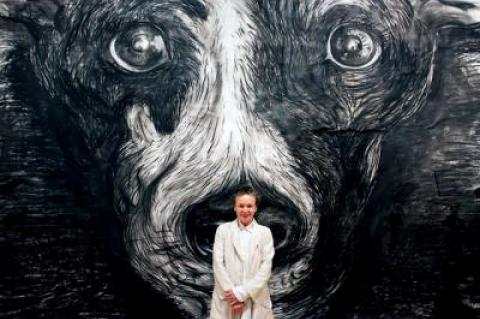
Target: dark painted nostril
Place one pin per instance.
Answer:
(202, 221)
(476, 192)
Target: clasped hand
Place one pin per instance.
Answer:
(236, 304)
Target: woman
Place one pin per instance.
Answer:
(242, 262)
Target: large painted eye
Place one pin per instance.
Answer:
(353, 48)
(139, 48)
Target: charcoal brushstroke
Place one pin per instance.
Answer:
(163, 108)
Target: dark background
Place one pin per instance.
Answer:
(418, 259)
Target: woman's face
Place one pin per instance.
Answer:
(245, 208)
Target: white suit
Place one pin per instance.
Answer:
(232, 269)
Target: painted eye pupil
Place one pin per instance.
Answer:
(352, 44)
(139, 48)
(353, 48)
(141, 43)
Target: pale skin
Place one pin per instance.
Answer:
(245, 208)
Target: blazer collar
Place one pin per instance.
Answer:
(249, 228)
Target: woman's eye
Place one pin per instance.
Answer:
(139, 48)
(353, 48)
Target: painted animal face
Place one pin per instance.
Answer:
(184, 100)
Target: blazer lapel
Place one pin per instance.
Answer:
(254, 242)
(236, 240)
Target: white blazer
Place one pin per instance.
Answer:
(229, 264)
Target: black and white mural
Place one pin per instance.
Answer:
(125, 126)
